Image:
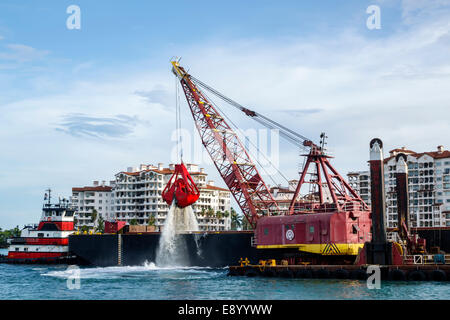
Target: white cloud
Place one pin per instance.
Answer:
(415, 11)
(22, 53)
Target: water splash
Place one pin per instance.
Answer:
(172, 250)
(148, 270)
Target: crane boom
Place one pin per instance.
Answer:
(227, 152)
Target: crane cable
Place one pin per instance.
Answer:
(287, 133)
(178, 123)
(256, 147)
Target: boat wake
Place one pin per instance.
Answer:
(148, 270)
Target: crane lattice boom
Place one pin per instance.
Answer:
(227, 152)
(328, 189)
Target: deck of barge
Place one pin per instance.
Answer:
(431, 272)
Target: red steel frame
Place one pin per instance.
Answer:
(241, 175)
(340, 191)
(228, 154)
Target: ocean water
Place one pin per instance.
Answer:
(168, 283)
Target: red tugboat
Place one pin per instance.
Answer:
(47, 242)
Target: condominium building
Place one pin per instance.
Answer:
(283, 195)
(99, 196)
(137, 195)
(360, 182)
(428, 183)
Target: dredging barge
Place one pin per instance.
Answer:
(405, 259)
(329, 226)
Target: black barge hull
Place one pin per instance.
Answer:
(210, 249)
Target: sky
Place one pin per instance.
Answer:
(78, 105)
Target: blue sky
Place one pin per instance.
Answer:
(81, 105)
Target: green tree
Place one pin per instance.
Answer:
(6, 234)
(94, 215)
(236, 221)
(151, 220)
(133, 222)
(245, 224)
(100, 225)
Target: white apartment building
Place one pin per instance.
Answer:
(283, 195)
(429, 187)
(137, 195)
(360, 182)
(99, 197)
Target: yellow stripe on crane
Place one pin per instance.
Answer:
(176, 68)
(328, 249)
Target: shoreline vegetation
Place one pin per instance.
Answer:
(6, 234)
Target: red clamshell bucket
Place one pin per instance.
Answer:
(181, 187)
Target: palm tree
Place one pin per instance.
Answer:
(94, 215)
(235, 220)
(100, 225)
(209, 213)
(245, 224)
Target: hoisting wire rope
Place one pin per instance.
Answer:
(178, 123)
(256, 147)
(287, 133)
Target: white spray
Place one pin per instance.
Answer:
(172, 249)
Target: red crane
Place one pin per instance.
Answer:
(227, 152)
(331, 200)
